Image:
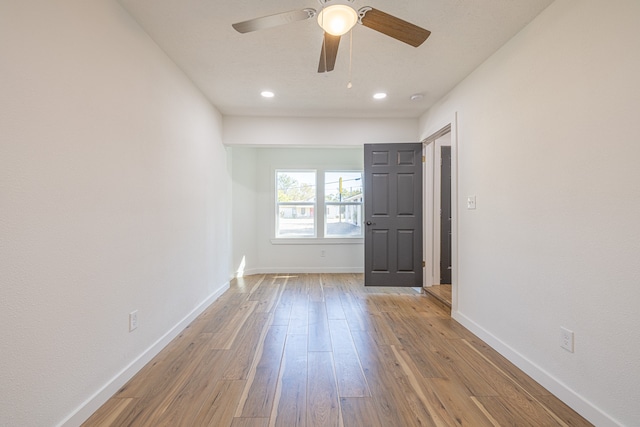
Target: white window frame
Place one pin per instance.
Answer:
(319, 206)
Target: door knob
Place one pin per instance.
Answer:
(369, 223)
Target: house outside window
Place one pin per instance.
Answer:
(343, 198)
(295, 203)
(336, 196)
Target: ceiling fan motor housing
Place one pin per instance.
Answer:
(337, 17)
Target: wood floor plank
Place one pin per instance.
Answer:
(244, 349)
(223, 339)
(360, 412)
(416, 409)
(319, 335)
(476, 382)
(434, 406)
(323, 408)
(351, 380)
(282, 311)
(412, 339)
(109, 412)
(355, 316)
(219, 404)
(161, 368)
(492, 356)
(442, 293)
(399, 303)
(315, 287)
(299, 323)
(486, 373)
(517, 413)
(333, 303)
(267, 294)
(290, 402)
(396, 404)
(263, 377)
(227, 307)
(171, 374)
(458, 403)
(322, 349)
(380, 330)
(562, 411)
(184, 407)
(245, 284)
(260, 280)
(250, 422)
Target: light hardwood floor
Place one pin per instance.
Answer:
(442, 293)
(323, 350)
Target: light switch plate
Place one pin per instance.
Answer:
(471, 202)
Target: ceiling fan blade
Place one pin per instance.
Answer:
(273, 20)
(328, 53)
(393, 27)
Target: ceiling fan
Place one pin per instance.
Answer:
(336, 18)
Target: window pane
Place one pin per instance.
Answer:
(296, 221)
(295, 203)
(296, 186)
(349, 182)
(343, 220)
(343, 203)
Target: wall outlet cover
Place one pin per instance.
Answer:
(133, 320)
(566, 339)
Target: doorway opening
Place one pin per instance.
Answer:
(440, 215)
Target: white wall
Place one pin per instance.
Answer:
(246, 210)
(316, 132)
(548, 142)
(113, 198)
(254, 212)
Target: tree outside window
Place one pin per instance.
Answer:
(295, 203)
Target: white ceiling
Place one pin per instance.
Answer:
(232, 69)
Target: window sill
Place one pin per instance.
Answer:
(318, 241)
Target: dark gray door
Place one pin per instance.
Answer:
(393, 214)
(445, 215)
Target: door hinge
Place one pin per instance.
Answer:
(423, 264)
(423, 160)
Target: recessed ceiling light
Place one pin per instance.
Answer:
(267, 94)
(417, 96)
(380, 95)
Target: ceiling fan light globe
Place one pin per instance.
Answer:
(337, 19)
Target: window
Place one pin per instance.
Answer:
(295, 204)
(302, 193)
(343, 204)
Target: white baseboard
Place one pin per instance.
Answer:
(93, 403)
(578, 403)
(301, 270)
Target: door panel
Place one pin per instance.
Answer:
(404, 192)
(380, 199)
(405, 250)
(393, 214)
(380, 258)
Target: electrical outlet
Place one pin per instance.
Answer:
(566, 339)
(133, 320)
